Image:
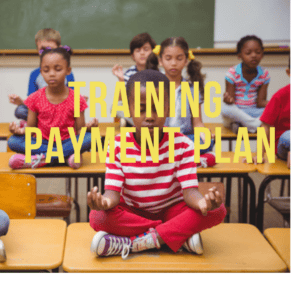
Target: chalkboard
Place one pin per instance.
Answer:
(106, 24)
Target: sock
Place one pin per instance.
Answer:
(132, 238)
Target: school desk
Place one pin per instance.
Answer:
(4, 131)
(34, 245)
(227, 248)
(280, 240)
(273, 171)
(87, 170)
(231, 170)
(226, 133)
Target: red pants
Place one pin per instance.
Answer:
(174, 224)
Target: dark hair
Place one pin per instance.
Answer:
(193, 68)
(145, 76)
(247, 38)
(65, 51)
(140, 40)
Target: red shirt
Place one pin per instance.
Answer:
(278, 112)
(54, 115)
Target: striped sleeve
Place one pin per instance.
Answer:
(230, 75)
(267, 77)
(187, 170)
(114, 176)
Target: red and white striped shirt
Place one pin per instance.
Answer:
(152, 186)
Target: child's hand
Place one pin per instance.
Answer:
(117, 70)
(86, 98)
(227, 98)
(15, 129)
(93, 123)
(15, 99)
(98, 202)
(254, 160)
(210, 201)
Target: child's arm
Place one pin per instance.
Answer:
(197, 122)
(195, 200)
(93, 123)
(79, 122)
(117, 70)
(262, 96)
(96, 201)
(31, 122)
(230, 93)
(15, 99)
(267, 129)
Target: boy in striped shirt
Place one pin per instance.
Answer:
(148, 204)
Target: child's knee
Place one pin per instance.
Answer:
(219, 214)
(97, 220)
(11, 143)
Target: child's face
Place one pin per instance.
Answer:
(140, 55)
(54, 69)
(44, 43)
(173, 60)
(251, 54)
(143, 120)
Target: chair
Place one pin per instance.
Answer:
(18, 195)
(53, 205)
(281, 204)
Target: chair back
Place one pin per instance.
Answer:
(18, 195)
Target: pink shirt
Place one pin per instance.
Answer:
(54, 115)
(152, 186)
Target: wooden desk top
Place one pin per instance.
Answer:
(239, 167)
(36, 244)
(226, 132)
(279, 238)
(277, 168)
(227, 248)
(4, 130)
(86, 168)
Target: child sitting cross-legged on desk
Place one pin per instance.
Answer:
(51, 106)
(148, 204)
(277, 114)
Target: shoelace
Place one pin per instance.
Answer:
(118, 246)
(37, 160)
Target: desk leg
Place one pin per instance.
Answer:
(228, 197)
(260, 204)
(252, 200)
(88, 189)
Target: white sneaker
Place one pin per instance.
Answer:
(105, 244)
(194, 244)
(2, 252)
(145, 242)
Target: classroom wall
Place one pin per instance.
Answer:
(14, 79)
(268, 19)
